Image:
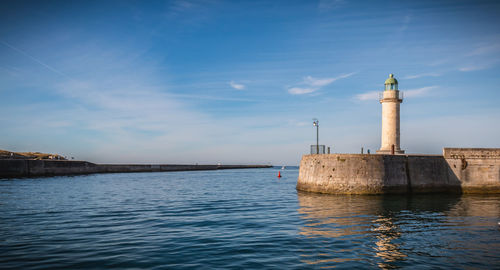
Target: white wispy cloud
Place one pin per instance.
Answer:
(484, 56)
(326, 81)
(237, 86)
(301, 91)
(311, 84)
(440, 62)
(207, 97)
(325, 5)
(418, 92)
(298, 123)
(416, 76)
(486, 49)
(472, 68)
(318, 82)
(471, 57)
(372, 95)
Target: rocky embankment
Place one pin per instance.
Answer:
(4, 154)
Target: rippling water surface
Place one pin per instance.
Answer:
(237, 219)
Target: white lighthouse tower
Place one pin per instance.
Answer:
(390, 118)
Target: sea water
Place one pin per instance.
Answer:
(237, 219)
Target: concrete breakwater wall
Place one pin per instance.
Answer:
(458, 171)
(477, 169)
(27, 168)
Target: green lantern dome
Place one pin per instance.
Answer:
(391, 79)
(391, 83)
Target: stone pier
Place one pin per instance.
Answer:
(458, 170)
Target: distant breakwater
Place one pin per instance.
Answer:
(33, 168)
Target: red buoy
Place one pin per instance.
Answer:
(279, 174)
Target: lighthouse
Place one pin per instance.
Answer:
(390, 100)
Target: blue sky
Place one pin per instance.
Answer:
(240, 81)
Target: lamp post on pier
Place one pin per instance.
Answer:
(316, 124)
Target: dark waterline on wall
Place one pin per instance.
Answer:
(244, 218)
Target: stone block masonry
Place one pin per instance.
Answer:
(478, 169)
(459, 170)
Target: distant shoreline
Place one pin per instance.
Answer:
(13, 168)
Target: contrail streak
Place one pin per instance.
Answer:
(33, 58)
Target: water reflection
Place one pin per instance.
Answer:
(385, 247)
(372, 226)
(477, 205)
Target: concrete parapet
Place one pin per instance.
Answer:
(380, 174)
(478, 169)
(428, 174)
(352, 174)
(483, 153)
